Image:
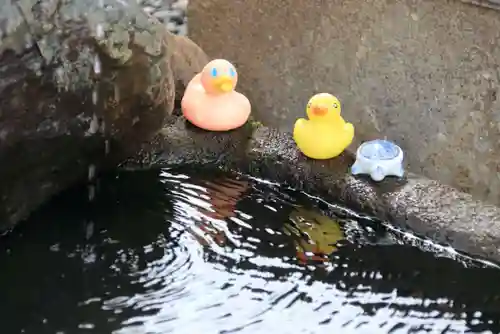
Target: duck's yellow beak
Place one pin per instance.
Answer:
(224, 83)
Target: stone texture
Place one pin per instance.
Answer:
(187, 60)
(418, 204)
(84, 83)
(424, 74)
(171, 13)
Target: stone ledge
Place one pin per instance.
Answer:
(492, 4)
(421, 205)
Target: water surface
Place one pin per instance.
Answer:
(198, 251)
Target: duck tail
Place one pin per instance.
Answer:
(349, 128)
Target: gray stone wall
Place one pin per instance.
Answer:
(424, 73)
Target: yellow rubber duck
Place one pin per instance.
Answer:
(325, 135)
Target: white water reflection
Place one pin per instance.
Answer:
(203, 253)
(197, 296)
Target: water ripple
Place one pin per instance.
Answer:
(191, 252)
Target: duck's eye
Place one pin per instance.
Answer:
(309, 105)
(232, 72)
(335, 105)
(214, 72)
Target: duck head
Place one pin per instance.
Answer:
(323, 107)
(219, 76)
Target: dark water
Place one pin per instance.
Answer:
(203, 252)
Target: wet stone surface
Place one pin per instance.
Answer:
(84, 83)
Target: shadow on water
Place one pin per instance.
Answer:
(198, 251)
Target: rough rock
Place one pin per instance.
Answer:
(172, 13)
(187, 60)
(423, 206)
(84, 83)
(424, 74)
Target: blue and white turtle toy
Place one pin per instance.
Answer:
(378, 158)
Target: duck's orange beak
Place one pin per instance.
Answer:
(224, 83)
(319, 110)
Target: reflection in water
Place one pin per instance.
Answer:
(317, 235)
(222, 197)
(168, 252)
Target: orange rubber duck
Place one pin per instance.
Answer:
(210, 101)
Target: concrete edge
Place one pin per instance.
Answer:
(424, 206)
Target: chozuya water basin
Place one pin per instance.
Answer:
(199, 251)
(379, 158)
